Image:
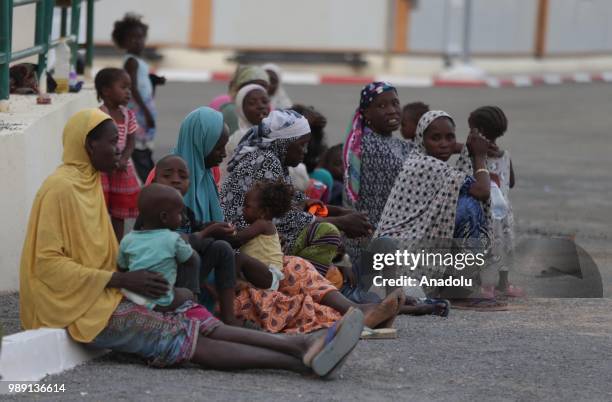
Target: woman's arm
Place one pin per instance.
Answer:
(478, 147)
(143, 282)
(353, 225)
(131, 66)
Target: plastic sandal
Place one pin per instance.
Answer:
(340, 340)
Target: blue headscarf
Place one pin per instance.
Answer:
(199, 133)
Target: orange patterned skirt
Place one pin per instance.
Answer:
(294, 307)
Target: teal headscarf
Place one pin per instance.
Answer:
(198, 135)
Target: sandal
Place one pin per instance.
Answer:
(447, 306)
(340, 340)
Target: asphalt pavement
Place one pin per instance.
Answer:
(545, 349)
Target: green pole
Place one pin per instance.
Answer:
(75, 19)
(6, 26)
(40, 35)
(64, 22)
(90, 26)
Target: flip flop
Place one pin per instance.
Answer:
(447, 305)
(340, 340)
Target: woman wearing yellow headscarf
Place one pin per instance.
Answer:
(68, 279)
(69, 253)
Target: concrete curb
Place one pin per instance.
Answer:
(519, 81)
(32, 355)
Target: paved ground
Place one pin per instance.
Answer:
(559, 138)
(552, 350)
(558, 349)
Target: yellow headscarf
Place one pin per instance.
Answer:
(70, 250)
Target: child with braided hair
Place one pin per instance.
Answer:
(492, 123)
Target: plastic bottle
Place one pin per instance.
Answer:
(62, 67)
(499, 207)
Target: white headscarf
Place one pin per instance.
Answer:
(243, 123)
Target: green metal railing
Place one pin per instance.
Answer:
(42, 36)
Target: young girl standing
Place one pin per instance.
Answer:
(130, 34)
(492, 123)
(121, 188)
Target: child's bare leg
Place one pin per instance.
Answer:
(188, 274)
(220, 256)
(118, 227)
(255, 271)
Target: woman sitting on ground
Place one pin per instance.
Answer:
(69, 279)
(278, 143)
(434, 201)
(373, 157)
(303, 300)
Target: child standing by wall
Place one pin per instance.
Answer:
(491, 122)
(130, 34)
(121, 188)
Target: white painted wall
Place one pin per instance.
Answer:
(291, 24)
(27, 157)
(169, 21)
(576, 26)
(498, 26)
(23, 30)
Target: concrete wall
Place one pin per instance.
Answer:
(314, 24)
(30, 150)
(590, 23)
(497, 27)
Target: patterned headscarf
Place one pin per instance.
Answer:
(423, 124)
(276, 132)
(260, 156)
(352, 146)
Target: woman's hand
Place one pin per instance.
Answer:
(349, 276)
(494, 151)
(477, 144)
(143, 282)
(353, 225)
